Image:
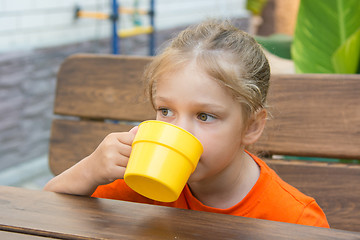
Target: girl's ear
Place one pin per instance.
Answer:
(255, 128)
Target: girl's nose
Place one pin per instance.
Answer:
(185, 124)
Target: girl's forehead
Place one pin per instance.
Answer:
(189, 83)
(190, 76)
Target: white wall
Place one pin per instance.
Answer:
(29, 24)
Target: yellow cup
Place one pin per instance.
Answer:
(162, 159)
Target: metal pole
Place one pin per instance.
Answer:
(152, 23)
(114, 18)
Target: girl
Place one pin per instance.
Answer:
(212, 81)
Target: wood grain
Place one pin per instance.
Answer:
(102, 86)
(316, 115)
(7, 235)
(76, 217)
(71, 141)
(313, 115)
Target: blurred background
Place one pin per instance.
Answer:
(37, 35)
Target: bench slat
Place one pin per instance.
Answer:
(102, 86)
(71, 141)
(315, 115)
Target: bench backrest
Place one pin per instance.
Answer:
(313, 115)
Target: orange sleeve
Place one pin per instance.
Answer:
(313, 216)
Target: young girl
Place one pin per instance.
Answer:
(212, 81)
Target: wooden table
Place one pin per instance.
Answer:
(32, 214)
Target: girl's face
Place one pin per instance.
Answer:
(193, 101)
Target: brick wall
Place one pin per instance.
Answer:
(27, 88)
(27, 84)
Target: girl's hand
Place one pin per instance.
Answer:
(108, 162)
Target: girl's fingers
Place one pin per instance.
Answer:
(122, 161)
(112, 156)
(134, 130)
(116, 173)
(125, 137)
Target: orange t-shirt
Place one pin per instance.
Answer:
(270, 198)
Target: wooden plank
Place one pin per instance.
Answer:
(102, 86)
(313, 115)
(71, 141)
(91, 218)
(335, 187)
(6, 235)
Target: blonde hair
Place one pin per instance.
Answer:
(226, 54)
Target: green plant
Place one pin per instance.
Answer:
(327, 37)
(255, 6)
(277, 44)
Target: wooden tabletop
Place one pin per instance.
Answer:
(7, 235)
(46, 215)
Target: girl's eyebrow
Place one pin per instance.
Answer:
(211, 108)
(204, 105)
(163, 100)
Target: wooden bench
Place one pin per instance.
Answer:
(314, 115)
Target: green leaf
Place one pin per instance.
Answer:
(323, 28)
(344, 59)
(256, 6)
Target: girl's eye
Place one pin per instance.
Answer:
(205, 117)
(165, 112)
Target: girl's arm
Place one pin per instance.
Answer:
(106, 164)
